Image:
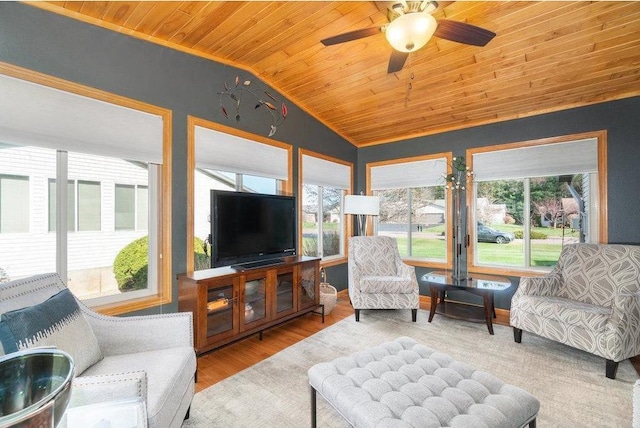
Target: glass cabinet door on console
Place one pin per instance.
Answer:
(308, 285)
(229, 304)
(253, 291)
(221, 321)
(285, 299)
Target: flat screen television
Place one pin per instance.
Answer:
(250, 229)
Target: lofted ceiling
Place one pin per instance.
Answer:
(547, 56)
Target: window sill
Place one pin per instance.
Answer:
(333, 261)
(508, 271)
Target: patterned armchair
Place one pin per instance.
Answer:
(378, 279)
(590, 301)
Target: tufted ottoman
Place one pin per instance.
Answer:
(405, 384)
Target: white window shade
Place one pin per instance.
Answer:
(321, 172)
(224, 152)
(422, 173)
(36, 115)
(580, 156)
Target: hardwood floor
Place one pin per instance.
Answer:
(224, 362)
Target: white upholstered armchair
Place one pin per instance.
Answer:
(378, 278)
(590, 301)
(149, 359)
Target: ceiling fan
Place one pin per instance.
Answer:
(410, 27)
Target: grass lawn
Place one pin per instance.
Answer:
(544, 252)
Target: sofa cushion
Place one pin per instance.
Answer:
(59, 322)
(169, 379)
(386, 285)
(570, 312)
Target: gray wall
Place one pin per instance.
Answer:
(187, 85)
(618, 118)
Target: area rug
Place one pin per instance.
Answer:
(570, 384)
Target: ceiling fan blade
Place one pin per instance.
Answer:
(351, 35)
(397, 60)
(462, 32)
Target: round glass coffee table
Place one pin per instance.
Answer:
(440, 282)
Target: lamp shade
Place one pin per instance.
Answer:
(362, 204)
(410, 32)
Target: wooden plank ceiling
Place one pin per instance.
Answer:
(547, 56)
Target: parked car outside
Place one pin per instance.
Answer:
(489, 234)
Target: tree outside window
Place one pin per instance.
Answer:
(550, 220)
(322, 223)
(416, 217)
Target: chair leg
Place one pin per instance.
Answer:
(414, 315)
(357, 315)
(611, 369)
(314, 423)
(517, 335)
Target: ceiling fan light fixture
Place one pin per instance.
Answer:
(411, 31)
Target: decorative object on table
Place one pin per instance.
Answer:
(238, 89)
(248, 312)
(456, 182)
(362, 206)
(218, 304)
(328, 293)
(36, 387)
(251, 287)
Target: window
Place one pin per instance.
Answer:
(322, 221)
(91, 252)
(71, 205)
(142, 207)
(413, 206)
(125, 204)
(14, 204)
(89, 206)
(131, 207)
(91, 167)
(532, 199)
(325, 181)
(229, 160)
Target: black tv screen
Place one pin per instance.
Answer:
(247, 227)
